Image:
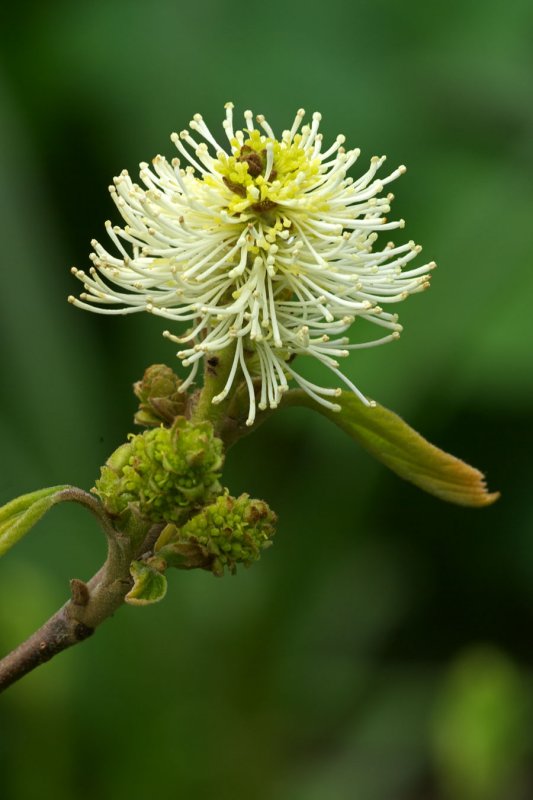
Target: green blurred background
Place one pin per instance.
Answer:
(383, 649)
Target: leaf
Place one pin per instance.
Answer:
(480, 724)
(149, 585)
(20, 515)
(391, 440)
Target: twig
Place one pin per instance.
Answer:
(91, 603)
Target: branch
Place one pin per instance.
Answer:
(91, 603)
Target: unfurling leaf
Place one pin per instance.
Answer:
(149, 585)
(391, 440)
(20, 515)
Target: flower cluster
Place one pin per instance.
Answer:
(266, 246)
(228, 532)
(164, 472)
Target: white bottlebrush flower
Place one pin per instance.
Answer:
(266, 247)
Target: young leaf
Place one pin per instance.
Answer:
(391, 440)
(20, 515)
(149, 585)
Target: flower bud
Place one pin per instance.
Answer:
(160, 399)
(164, 473)
(228, 532)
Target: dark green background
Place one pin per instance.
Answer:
(382, 650)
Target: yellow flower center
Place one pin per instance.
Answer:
(263, 173)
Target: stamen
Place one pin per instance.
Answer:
(266, 127)
(269, 247)
(225, 391)
(300, 114)
(270, 160)
(249, 117)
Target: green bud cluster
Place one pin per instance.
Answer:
(228, 532)
(159, 396)
(165, 473)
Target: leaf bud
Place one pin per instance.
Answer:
(159, 396)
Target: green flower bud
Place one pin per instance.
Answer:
(160, 399)
(165, 473)
(226, 533)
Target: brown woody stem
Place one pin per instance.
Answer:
(91, 603)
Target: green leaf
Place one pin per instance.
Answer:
(20, 515)
(480, 723)
(387, 437)
(149, 585)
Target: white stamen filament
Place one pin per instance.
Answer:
(274, 263)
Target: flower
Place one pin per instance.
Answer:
(266, 247)
(165, 472)
(227, 532)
